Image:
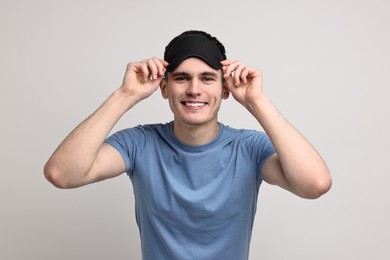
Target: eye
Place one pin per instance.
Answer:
(208, 80)
(181, 78)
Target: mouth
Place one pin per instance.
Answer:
(193, 105)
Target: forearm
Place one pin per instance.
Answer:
(75, 156)
(303, 168)
(297, 166)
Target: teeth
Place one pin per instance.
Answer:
(194, 104)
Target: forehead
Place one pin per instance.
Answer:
(195, 66)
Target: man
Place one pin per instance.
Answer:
(195, 179)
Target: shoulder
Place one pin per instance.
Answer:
(242, 134)
(138, 134)
(146, 129)
(254, 141)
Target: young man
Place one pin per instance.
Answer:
(195, 180)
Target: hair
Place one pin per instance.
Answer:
(200, 33)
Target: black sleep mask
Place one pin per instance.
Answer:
(197, 46)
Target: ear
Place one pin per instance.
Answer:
(225, 90)
(163, 88)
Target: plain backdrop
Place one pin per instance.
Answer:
(326, 67)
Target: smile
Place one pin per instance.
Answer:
(194, 104)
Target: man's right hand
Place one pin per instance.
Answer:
(143, 78)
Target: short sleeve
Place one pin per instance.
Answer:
(128, 142)
(259, 148)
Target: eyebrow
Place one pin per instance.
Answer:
(209, 73)
(180, 73)
(206, 73)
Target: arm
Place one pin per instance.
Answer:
(296, 166)
(83, 157)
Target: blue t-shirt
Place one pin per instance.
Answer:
(194, 202)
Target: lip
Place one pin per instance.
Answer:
(194, 105)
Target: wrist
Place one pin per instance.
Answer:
(258, 105)
(264, 111)
(123, 99)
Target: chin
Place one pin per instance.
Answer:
(198, 121)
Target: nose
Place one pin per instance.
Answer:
(194, 88)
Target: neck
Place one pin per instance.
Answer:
(195, 134)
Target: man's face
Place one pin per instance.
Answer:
(194, 91)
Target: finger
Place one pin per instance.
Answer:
(157, 68)
(229, 83)
(244, 75)
(143, 67)
(164, 62)
(161, 65)
(253, 73)
(231, 68)
(153, 68)
(227, 62)
(234, 71)
(225, 66)
(238, 74)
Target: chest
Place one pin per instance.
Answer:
(200, 184)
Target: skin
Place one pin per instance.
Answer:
(194, 92)
(194, 82)
(296, 166)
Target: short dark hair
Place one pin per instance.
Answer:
(200, 33)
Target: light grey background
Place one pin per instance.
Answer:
(326, 67)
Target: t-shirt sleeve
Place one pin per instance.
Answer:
(128, 142)
(260, 149)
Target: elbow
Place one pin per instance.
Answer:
(319, 187)
(54, 176)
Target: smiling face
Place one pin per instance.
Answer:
(194, 91)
